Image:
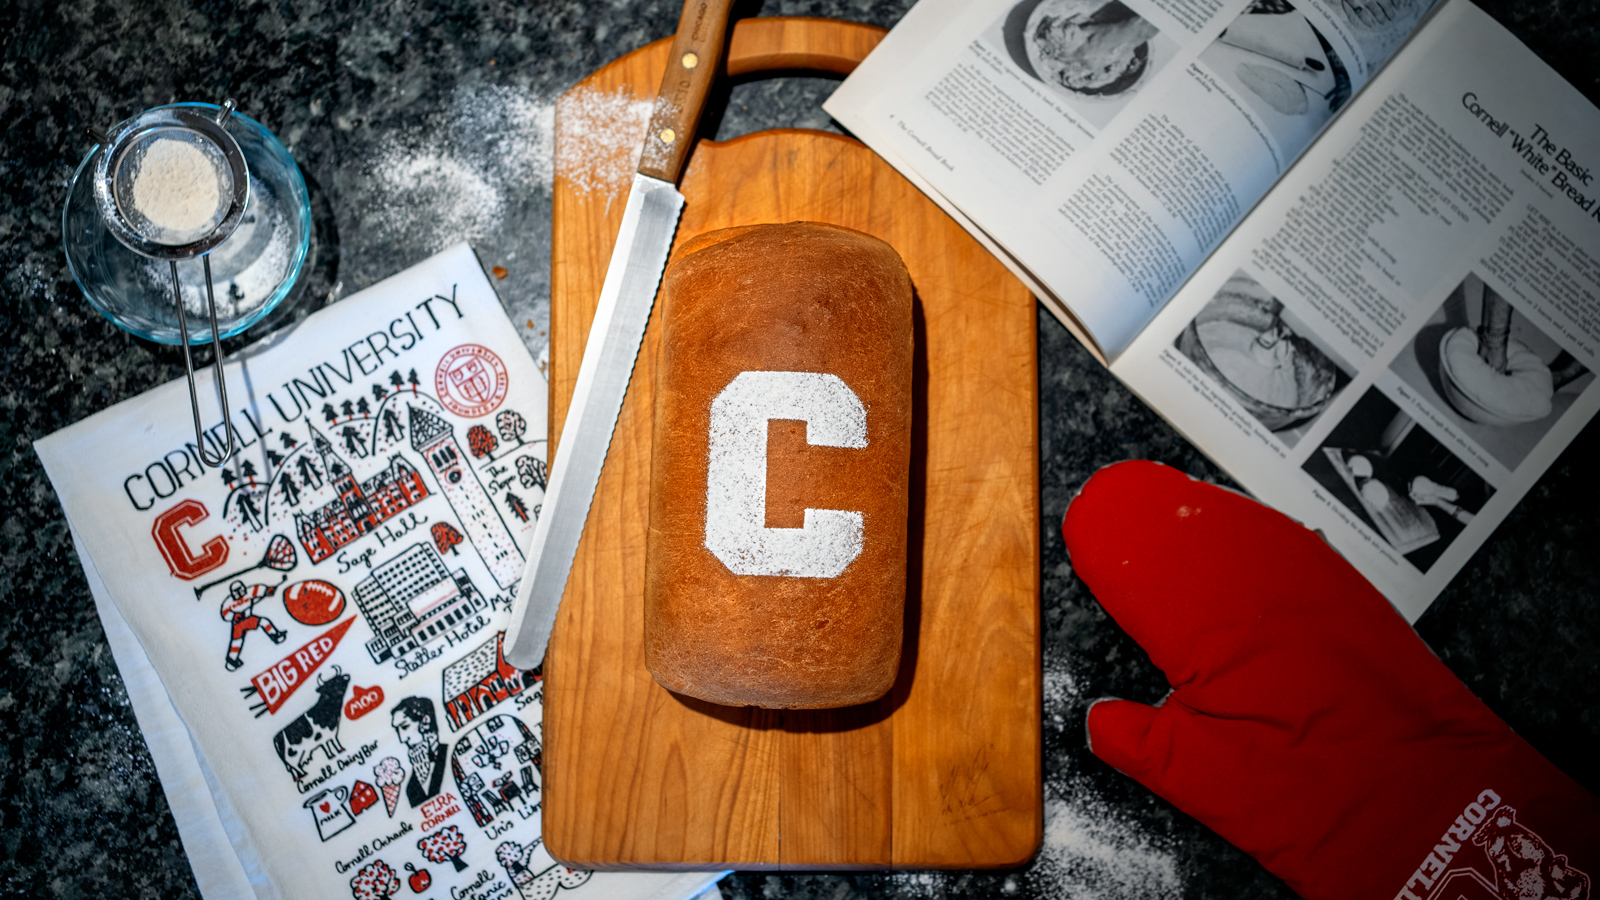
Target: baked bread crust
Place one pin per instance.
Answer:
(802, 297)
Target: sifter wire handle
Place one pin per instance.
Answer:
(188, 365)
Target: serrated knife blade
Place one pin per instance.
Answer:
(634, 274)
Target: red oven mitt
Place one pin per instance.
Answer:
(1308, 724)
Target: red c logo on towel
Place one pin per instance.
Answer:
(183, 562)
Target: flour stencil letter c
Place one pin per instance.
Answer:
(736, 482)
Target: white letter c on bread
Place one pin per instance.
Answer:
(736, 483)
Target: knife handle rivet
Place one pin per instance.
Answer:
(690, 60)
(668, 135)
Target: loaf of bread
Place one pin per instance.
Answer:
(776, 562)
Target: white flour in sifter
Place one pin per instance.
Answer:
(175, 189)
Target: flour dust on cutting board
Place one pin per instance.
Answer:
(1090, 851)
(602, 135)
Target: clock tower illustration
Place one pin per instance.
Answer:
(435, 439)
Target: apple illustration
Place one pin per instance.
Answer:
(419, 880)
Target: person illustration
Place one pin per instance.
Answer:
(418, 728)
(238, 609)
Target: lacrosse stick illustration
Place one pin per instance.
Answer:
(280, 558)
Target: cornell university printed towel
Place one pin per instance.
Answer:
(326, 610)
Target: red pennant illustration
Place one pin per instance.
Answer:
(284, 677)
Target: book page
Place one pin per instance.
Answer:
(1403, 335)
(1103, 149)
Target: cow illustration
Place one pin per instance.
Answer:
(1525, 868)
(315, 729)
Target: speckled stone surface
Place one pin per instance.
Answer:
(420, 123)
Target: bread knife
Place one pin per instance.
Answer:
(648, 223)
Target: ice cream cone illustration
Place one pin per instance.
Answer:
(388, 774)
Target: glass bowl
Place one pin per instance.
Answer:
(251, 272)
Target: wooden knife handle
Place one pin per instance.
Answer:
(691, 68)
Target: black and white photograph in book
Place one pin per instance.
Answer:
(1396, 478)
(1283, 69)
(1380, 26)
(1491, 372)
(1093, 54)
(1265, 357)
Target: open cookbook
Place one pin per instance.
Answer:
(311, 635)
(1350, 249)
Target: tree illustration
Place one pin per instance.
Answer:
(347, 408)
(274, 458)
(352, 441)
(248, 514)
(363, 407)
(446, 537)
(375, 881)
(247, 469)
(532, 472)
(511, 426)
(412, 377)
(518, 508)
(480, 441)
(445, 845)
(228, 477)
(391, 426)
(308, 473)
(378, 393)
(395, 379)
(289, 443)
(291, 494)
(329, 414)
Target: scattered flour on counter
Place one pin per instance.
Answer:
(440, 185)
(1059, 690)
(602, 135)
(1090, 851)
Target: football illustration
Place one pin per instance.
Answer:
(313, 602)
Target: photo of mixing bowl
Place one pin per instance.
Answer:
(1242, 342)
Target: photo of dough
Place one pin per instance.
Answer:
(1280, 91)
(1088, 47)
(1263, 356)
(1490, 372)
(1397, 479)
(1283, 69)
(1092, 54)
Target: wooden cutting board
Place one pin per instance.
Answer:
(945, 771)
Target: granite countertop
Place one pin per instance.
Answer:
(420, 124)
